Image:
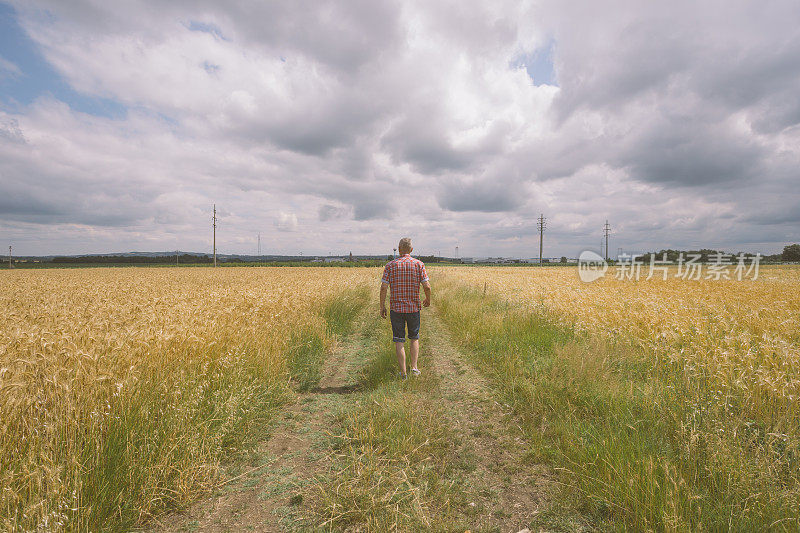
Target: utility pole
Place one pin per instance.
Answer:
(176, 257)
(456, 251)
(394, 253)
(259, 247)
(10, 260)
(541, 225)
(214, 221)
(606, 231)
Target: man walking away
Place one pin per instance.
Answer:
(404, 276)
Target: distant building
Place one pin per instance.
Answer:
(334, 259)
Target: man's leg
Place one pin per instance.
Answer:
(413, 347)
(413, 337)
(399, 349)
(399, 338)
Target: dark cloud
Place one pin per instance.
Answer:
(487, 196)
(62, 208)
(676, 88)
(776, 113)
(329, 121)
(683, 151)
(331, 212)
(366, 204)
(371, 209)
(418, 140)
(23, 206)
(785, 214)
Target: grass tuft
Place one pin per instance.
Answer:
(308, 345)
(341, 310)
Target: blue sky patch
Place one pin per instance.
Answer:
(36, 78)
(211, 68)
(206, 27)
(539, 64)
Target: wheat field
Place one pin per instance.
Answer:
(745, 335)
(675, 407)
(122, 389)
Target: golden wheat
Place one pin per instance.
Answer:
(676, 402)
(107, 367)
(744, 335)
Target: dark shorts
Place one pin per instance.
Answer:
(400, 321)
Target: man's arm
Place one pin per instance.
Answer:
(383, 299)
(426, 285)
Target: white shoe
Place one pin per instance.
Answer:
(414, 372)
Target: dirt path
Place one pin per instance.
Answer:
(268, 496)
(509, 490)
(506, 490)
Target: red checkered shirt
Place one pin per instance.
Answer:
(404, 275)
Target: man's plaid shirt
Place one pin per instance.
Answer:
(404, 275)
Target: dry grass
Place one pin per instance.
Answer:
(122, 389)
(674, 407)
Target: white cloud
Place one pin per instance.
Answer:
(8, 69)
(286, 221)
(354, 122)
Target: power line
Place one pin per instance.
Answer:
(214, 223)
(541, 225)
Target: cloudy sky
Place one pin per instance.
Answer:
(339, 126)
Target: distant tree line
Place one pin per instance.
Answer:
(132, 259)
(706, 255)
(193, 259)
(790, 253)
(435, 259)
